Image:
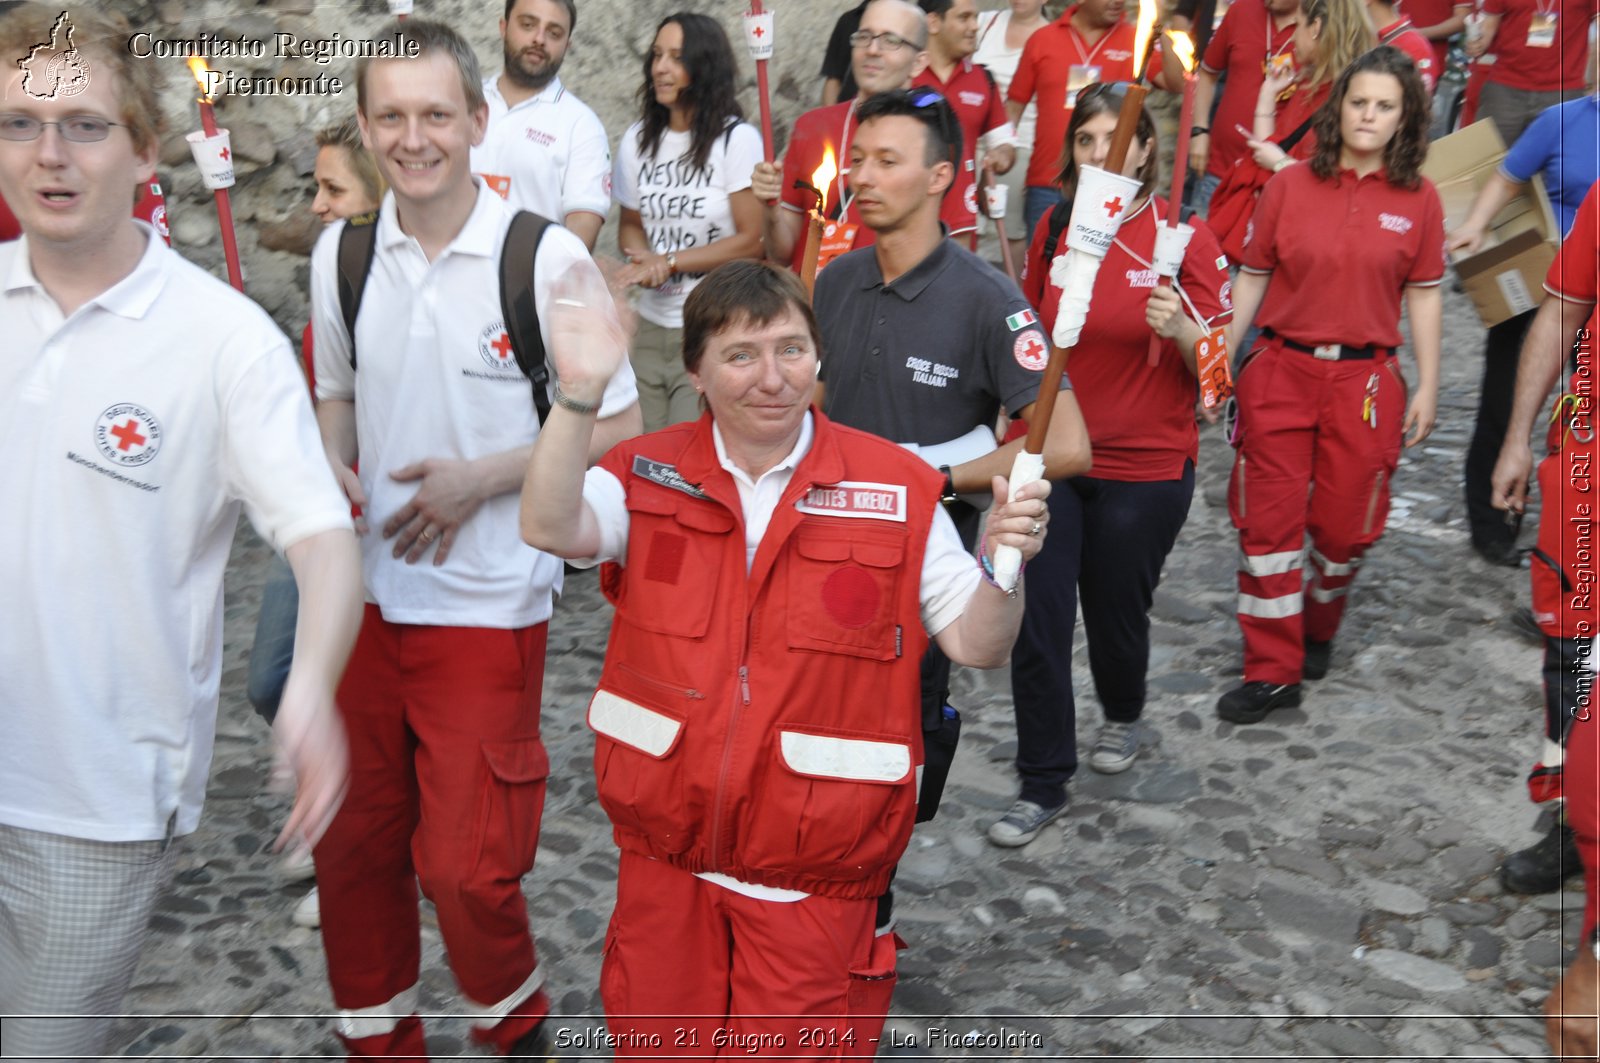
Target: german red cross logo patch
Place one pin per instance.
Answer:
(127, 434)
(494, 346)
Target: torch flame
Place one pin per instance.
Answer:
(823, 177)
(1183, 48)
(1149, 11)
(198, 67)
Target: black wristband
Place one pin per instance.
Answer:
(947, 494)
(1200, 131)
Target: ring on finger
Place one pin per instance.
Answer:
(1038, 526)
(427, 536)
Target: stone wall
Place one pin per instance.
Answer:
(272, 136)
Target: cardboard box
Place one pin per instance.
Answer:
(1505, 277)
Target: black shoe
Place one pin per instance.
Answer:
(1500, 552)
(1544, 865)
(1318, 654)
(1250, 702)
(534, 1046)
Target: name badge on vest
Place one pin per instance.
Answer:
(659, 472)
(855, 499)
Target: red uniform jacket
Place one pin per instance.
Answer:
(766, 726)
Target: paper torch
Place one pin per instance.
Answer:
(214, 155)
(758, 24)
(1172, 239)
(816, 220)
(1100, 202)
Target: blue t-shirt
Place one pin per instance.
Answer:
(1562, 144)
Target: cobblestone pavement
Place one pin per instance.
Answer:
(1321, 886)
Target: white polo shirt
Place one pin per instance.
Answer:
(137, 427)
(548, 154)
(438, 379)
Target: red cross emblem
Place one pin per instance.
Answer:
(1114, 206)
(128, 435)
(502, 346)
(1031, 352)
(758, 33)
(225, 154)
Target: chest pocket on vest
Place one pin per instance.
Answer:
(676, 547)
(844, 587)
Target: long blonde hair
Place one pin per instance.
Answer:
(1346, 35)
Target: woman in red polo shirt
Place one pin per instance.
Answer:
(1327, 39)
(1322, 406)
(1111, 528)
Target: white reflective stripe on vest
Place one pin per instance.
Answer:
(1554, 754)
(857, 759)
(1270, 564)
(1270, 608)
(1333, 568)
(379, 1019)
(1323, 595)
(486, 1016)
(632, 724)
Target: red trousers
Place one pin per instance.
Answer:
(1309, 464)
(447, 778)
(694, 969)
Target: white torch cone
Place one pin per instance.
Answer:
(1171, 243)
(1008, 559)
(214, 157)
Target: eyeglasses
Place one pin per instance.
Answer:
(889, 42)
(79, 129)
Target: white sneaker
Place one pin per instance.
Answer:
(1115, 748)
(308, 913)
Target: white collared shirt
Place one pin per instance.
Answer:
(138, 427)
(550, 153)
(438, 379)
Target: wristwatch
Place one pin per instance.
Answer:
(672, 263)
(947, 494)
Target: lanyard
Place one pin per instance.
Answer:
(1194, 313)
(1271, 53)
(845, 198)
(1078, 42)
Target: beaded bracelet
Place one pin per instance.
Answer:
(986, 567)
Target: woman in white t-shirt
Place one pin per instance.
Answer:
(1001, 35)
(682, 178)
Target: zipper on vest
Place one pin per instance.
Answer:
(722, 772)
(652, 681)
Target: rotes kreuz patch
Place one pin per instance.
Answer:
(1031, 351)
(852, 498)
(494, 346)
(127, 434)
(1018, 322)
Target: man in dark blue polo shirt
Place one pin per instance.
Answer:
(925, 343)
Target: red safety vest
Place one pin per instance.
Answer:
(766, 726)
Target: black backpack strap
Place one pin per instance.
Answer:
(1288, 142)
(1059, 216)
(518, 307)
(358, 242)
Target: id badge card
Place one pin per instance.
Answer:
(1278, 63)
(1542, 30)
(1211, 364)
(837, 238)
(1079, 77)
(499, 184)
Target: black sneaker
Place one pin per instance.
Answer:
(534, 1046)
(1544, 865)
(1318, 655)
(1250, 702)
(1499, 552)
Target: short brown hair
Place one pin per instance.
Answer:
(421, 35)
(741, 290)
(104, 38)
(346, 136)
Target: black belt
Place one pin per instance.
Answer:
(1329, 352)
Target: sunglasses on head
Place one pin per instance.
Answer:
(925, 98)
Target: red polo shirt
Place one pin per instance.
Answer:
(976, 100)
(1559, 66)
(1425, 13)
(1140, 417)
(1241, 49)
(1341, 252)
(1572, 274)
(1293, 112)
(1400, 34)
(814, 132)
(1042, 72)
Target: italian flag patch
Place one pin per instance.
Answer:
(1018, 322)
